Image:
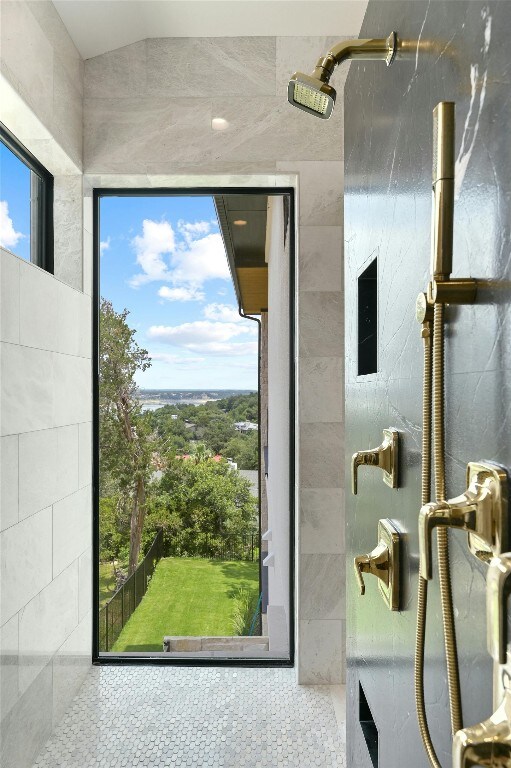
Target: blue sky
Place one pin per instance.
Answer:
(14, 204)
(163, 259)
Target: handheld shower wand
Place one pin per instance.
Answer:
(314, 94)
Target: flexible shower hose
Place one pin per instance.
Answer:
(451, 652)
(433, 400)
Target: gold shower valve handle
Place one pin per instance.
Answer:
(382, 562)
(487, 743)
(498, 590)
(385, 457)
(481, 511)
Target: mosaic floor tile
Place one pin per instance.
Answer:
(180, 717)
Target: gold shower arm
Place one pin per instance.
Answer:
(368, 49)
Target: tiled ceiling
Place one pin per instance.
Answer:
(97, 26)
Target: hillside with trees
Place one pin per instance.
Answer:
(161, 469)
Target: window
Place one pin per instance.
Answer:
(26, 203)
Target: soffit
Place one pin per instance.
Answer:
(98, 26)
(245, 247)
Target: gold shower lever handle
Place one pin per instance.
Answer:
(487, 743)
(382, 562)
(376, 562)
(498, 589)
(385, 457)
(481, 511)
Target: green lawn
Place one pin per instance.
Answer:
(187, 596)
(106, 583)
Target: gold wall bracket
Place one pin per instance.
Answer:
(481, 511)
(498, 590)
(487, 743)
(382, 562)
(385, 457)
(457, 290)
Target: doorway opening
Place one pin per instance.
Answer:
(193, 386)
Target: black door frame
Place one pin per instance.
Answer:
(99, 658)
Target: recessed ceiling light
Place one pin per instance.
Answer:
(240, 222)
(219, 124)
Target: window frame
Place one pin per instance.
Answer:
(41, 192)
(161, 658)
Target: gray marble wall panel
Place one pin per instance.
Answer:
(460, 54)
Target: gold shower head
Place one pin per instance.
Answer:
(313, 94)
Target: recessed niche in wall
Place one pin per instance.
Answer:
(368, 726)
(368, 320)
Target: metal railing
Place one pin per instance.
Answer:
(213, 547)
(114, 615)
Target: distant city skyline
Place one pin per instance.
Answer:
(163, 259)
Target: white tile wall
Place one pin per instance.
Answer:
(72, 527)
(26, 562)
(46, 622)
(45, 411)
(9, 481)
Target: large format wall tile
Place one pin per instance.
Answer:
(65, 52)
(72, 521)
(72, 388)
(129, 133)
(234, 66)
(68, 234)
(321, 521)
(70, 666)
(48, 467)
(321, 456)
(26, 379)
(320, 267)
(9, 686)
(266, 128)
(118, 73)
(46, 622)
(85, 454)
(9, 297)
(38, 307)
(321, 652)
(320, 188)
(9, 481)
(321, 318)
(28, 724)
(25, 562)
(321, 390)
(317, 600)
(31, 66)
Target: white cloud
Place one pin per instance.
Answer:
(198, 257)
(157, 240)
(202, 260)
(8, 235)
(104, 246)
(223, 312)
(191, 230)
(204, 336)
(182, 293)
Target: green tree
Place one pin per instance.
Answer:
(244, 450)
(199, 500)
(125, 439)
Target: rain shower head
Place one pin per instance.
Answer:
(311, 94)
(314, 94)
